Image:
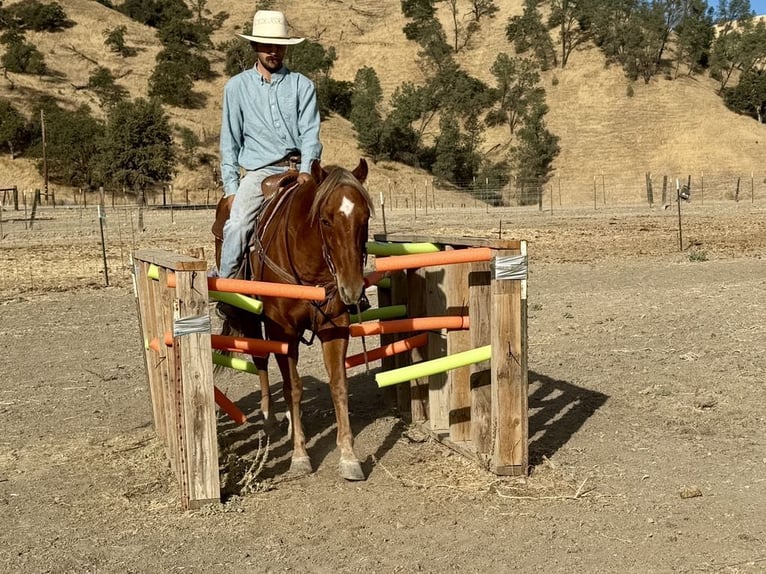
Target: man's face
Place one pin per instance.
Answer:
(270, 56)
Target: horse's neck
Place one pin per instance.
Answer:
(292, 242)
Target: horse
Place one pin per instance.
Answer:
(313, 234)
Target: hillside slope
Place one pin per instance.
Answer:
(674, 128)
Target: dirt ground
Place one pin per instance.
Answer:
(648, 449)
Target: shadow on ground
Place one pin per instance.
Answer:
(557, 410)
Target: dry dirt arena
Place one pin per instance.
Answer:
(647, 425)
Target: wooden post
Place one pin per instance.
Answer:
(181, 378)
(399, 297)
(416, 306)
(458, 380)
(479, 280)
(437, 302)
(509, 369)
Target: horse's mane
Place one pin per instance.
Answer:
(337, 176)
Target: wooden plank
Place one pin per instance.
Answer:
(509, 374)
(479, 285)
(399, 297)
(416, 305)
(385, 299)
(170, 260)
(169, 371)
(458, 380)
(453, 241)
(197, 402)
(147, 319)
(438, 389)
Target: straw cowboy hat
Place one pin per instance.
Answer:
(270, 27)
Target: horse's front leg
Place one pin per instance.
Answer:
(334, 351)
(292, 386)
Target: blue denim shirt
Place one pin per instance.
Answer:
(264, 121)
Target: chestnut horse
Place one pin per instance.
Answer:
(311, 234)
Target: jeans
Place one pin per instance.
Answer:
(241, 222)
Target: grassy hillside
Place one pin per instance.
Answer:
(675, 128)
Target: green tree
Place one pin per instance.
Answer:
(115, 41)
(101, 83)
(741, 49)
(529, 34)
(694, 35)
(518, 91)
(533, 155)
(172, 85)
(479, 9)
(239, 56)
(21, 57)
(137, 149)
(365, 116)
(71, 143)
(34, 15)
(573, 18)
(189, 145)
(156, 13)
(748, 97)
(13, 128)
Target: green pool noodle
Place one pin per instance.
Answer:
(392, 312)
(234, 363)
(434, 366)
(378, 248)
(384, 283)
(234, 299)
(238, 300)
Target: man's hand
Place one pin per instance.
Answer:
(303, 177)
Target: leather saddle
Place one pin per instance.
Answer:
(270, 186)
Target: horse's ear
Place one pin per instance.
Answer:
(360, 171)
(317, 171)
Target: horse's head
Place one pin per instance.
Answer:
(342, 210)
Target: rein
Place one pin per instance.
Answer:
(284, 201)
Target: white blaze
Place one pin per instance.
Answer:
(347, 206)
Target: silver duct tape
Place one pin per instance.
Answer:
(190, 325)
(513, 267)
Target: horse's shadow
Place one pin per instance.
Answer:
(557, 410)
(366, 405)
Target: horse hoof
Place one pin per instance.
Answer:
(270, 424)
(300, 466)
(351, 470)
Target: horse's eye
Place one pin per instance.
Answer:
(325, 222)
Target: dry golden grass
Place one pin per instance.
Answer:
(674, 128)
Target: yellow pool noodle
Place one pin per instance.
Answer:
(392, 312)
(434, 366)
(379, 248)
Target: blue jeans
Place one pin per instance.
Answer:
(241, 222)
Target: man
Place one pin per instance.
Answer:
(270, 123)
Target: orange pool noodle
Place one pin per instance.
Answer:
(228, 407)
(257, 347)
(405, 325)
(388, 350)
(398, 262)
(261, 288)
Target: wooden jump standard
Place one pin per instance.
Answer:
(479, 410)
(180, 376)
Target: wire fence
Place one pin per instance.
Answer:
(422, 194)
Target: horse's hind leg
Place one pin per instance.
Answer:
(334, 351)
(293, 393)
(262, 367)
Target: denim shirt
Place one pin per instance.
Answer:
(264, 121)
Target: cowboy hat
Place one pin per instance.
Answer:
(270, 27)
